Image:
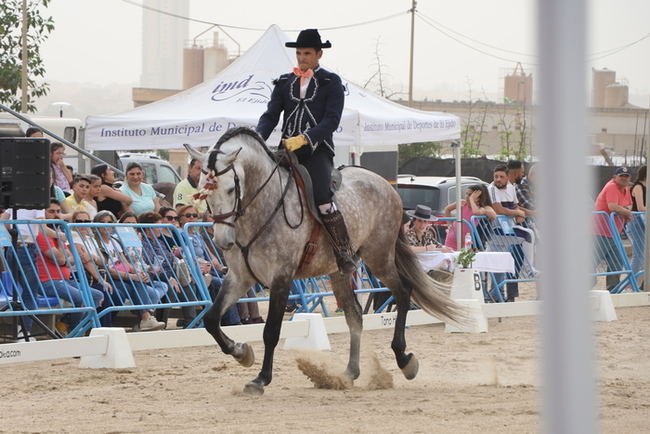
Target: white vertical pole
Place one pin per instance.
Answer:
(459, 216)
(569, 389)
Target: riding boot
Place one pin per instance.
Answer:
(345, 257)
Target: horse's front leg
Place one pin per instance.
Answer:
(277, 304)
(227, 296)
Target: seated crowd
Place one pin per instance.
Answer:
(152, 273)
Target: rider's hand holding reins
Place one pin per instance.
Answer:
(294, 143)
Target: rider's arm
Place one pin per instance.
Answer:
(271, 116)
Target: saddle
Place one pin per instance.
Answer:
(303, 181)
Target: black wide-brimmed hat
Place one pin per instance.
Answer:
(422, 212)
(309, 38)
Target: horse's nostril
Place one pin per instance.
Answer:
(228, 246)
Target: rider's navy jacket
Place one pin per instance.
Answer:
(316, 116)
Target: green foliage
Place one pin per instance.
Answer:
(11, 48)
(466, 258)
(416, 150)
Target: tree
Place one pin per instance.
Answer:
(38, 29)
(417, 150)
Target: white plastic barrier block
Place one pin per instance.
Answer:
(118, 350)
(467, 285)
(475, 322)
(316, 338)
(603, 306)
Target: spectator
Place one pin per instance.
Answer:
(22, 263)
(128, 218)
(516, 171)
(421, 235)
(55, 190)
(187, 188)
(95, 188)
(63, 176)
(90, 256)
(476, 202)
(129, 282)
(110, 198)
(636, 228)
(78, 200)
(34, 132)
(143, 195)
(525, 192)
(614, 197)
(159, 256)
(170, 216)
(54, 269)
(503, 195)
(207, 262)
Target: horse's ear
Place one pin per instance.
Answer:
(229, 158)
(203, 158)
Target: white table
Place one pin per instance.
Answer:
(492, 262)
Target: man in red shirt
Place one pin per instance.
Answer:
(53, 261)
(614, 197)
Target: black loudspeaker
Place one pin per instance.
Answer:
(24, 173)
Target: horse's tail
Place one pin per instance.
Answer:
(430, 295)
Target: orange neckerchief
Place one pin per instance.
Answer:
(303, 75)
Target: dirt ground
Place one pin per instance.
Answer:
(466, 383)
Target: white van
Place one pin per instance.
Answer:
(68, 128)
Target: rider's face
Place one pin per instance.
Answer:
(308, 58)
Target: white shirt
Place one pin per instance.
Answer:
(507, 197)
(303, 87)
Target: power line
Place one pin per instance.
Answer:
(446, 31)
(230, 26)
(426, 21)
(449, 29)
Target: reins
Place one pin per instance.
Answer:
(239, 208)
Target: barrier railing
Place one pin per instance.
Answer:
(609, 248)
(132, 267)
(635, 231)
(504, 235)
(41, 277)
(139, 269)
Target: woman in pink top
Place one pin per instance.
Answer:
(477, 202)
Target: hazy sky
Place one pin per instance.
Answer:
(99, 41)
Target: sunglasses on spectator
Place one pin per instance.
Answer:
(82, 221)
(171, 218)
(191, 216)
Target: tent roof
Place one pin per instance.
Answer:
(238, 95)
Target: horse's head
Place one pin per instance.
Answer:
(221, 184)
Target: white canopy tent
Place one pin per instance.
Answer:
(238, 95)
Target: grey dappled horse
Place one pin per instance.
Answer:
(256, 212)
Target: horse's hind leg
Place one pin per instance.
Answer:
(341, 284)
(408, 363)
(225, 299)
(277, 304)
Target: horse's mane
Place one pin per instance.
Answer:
(233, 132)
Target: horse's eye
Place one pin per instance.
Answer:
(230, 190)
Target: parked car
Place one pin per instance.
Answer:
(156, 170)
(433, 191)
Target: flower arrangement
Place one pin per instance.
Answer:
(466, 258)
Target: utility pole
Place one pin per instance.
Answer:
(413, 5)
(23, 72)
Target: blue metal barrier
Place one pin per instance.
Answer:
(504, 235)
(138, 269)
(609, 249)
(635, 230)
(36, 284)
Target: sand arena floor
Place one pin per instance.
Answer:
(467, 383)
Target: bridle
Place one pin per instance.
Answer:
(239, 208)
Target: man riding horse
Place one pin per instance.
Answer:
(312, 101)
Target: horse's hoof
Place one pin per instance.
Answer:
(411, 368)
(253, 389)
(352, 374)
(244, 355)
